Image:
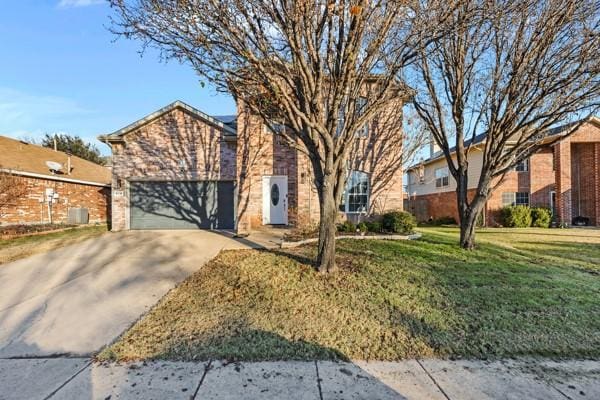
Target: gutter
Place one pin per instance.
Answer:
(52, 177)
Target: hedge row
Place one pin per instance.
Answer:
(525, 216)
(392, 222)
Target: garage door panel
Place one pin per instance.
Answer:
(182, 205)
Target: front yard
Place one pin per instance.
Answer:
(25, 246)
(522, 292)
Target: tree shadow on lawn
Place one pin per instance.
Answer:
(389, 301)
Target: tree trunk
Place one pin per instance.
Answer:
(468, 223)
(468, 213)
(327, 227)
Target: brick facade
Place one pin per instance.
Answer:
(260, 153)
(569, 168)
(29, 208)
(177, 144)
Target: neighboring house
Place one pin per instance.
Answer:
(41, 185)
(179, 168)
(564, 177)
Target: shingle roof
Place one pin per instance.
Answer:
(117, 135)
(19, 156)
(481, 137)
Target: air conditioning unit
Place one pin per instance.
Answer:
(78, 216)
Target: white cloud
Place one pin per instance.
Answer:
(79, 3)
(17, 106)
(30, 115)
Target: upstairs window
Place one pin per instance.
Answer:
(442, 177)
(356, 196)
(522, 166)
(361, 105)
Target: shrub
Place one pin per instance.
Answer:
(373, 226)
(541, 217)
(362, 227)
(347, 226)
(398, 222)
(516, 216)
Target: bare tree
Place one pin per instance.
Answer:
(515, 69)
(306, 63)
(12, 188)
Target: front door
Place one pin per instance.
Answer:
(275, 205)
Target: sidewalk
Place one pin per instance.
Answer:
(79, 378)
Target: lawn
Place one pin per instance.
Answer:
(522, 292)
(25, 246)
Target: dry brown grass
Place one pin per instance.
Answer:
(21, 247)
(390, 300)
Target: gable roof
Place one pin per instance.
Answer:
(27, 159)
(559, 130)
(118, 135)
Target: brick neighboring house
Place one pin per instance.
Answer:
(36, 194)
(179, 168)
(564, 177)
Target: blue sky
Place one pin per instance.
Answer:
(63, 71)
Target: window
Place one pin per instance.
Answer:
(356, 196)
(361, 104)
(522, 198)
(515, 199)
(522, 166)
(441, 177)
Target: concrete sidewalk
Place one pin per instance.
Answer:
(71, 378)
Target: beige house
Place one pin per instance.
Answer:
(564, 177)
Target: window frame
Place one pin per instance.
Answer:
(441, 181)
(363, 181)
(522, 166)
(516, 199)
(361, 103)
(520, 202)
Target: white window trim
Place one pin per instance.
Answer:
(526, 165)
(446, 176)
(347, 194)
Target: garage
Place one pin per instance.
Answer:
(182, 205)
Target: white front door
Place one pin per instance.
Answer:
(275, 205)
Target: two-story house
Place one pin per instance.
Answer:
(564, 176)
(179, 168)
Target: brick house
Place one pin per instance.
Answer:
(179, 168)
(41, 185)
(564, 177)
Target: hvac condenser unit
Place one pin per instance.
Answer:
(78, 216)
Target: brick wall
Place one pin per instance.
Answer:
(176, 146)
(576, 158)
(584, 170)
(542, 177)
(261, 153)
(571, 168)
(27, 209)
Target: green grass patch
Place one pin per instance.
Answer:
(521, 292)
(25, 246)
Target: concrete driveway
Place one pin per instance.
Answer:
(79, 298)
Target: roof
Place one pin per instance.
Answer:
(23, 158)
(118, 135)
(229, 120)
(558, 130)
